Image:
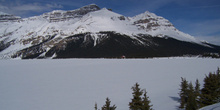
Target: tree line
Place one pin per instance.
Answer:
(191, 97)
(140, 100)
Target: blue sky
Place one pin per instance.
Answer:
(200, 18)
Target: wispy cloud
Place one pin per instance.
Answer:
(134, 7)
(207, 6)
(23, 10)
(211, 39)
(35, 7)
(208, 30)
(204, 30)
(207, 27)
(153, 5)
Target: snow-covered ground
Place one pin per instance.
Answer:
(77, 84)
(212, 107)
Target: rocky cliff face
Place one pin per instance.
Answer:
(59, 15)
(150, 21)
(4, 17)
(92, 32)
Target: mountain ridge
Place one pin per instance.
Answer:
(48, 34)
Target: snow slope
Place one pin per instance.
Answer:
(212, 107)
(159, 26)
(77, 84)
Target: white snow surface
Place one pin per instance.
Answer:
(77, 84)
(105, 20)
(212, 107)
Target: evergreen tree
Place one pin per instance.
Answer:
(107, 105)
(211, 91)
(218, 90)
(197, 88)
(197, 93)
(218, 71)
(136, 102)
(146, 102)
(183, 93)
(96, 107)
(191, 98)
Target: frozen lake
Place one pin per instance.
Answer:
(77, 84)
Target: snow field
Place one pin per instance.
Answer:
(211, 107)
(76, 84)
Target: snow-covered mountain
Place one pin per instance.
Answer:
(94, 32)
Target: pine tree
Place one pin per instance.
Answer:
(211, 91)
(197, 88)
(183, 93)
(218, 90)
(96, 106)
(191, 99)
(197, 93)
(146, 102)
(107, 105)
(136, 102)
(218, 71)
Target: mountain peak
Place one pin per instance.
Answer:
(152, 23)
(91, 6)
(146, 15)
